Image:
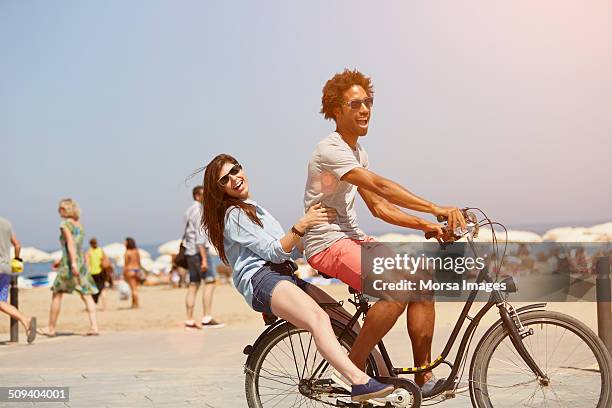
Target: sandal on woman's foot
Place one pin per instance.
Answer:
(92, 334)
(46, 332)
(190, 324)
(31, 331)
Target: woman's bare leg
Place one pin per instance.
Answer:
(56, 305)
(91, 311)
(133, 282)
(292, 304)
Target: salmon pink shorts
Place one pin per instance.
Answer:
(342, 260)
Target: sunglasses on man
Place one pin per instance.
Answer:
(355, 104)
(233, 171)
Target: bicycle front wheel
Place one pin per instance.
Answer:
(573, 358)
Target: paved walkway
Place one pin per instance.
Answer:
(141, 369)
(132, 369)
(171, 368)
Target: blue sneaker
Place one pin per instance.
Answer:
(371, 389)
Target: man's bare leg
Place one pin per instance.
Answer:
(207, 297)
(15, 314)
(192, 291)
(421, 317)
(380, 319)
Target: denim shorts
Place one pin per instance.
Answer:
(265, 280)
(196, 276)
(5, 284)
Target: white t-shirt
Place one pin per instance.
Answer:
(5, 245)
(332, 159)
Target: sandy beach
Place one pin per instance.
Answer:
(163, 309)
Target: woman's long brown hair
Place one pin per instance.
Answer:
(215, 204)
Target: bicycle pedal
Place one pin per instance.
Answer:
(449, 394)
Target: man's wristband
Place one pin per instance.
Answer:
(297, 232)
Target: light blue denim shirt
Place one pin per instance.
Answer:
(248, 246)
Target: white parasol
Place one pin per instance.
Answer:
(34, 255)
(170, 247)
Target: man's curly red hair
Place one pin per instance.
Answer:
(334, 89)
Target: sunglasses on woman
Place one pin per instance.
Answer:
(355, 104)
(233, 171)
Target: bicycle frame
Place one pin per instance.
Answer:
(496, 299)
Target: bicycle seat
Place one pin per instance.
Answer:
(350, 289)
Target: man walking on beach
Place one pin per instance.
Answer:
(199, 264)
(95, 258)
(337, 170)
(8, 238)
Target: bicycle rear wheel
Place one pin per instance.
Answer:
(282, 362)
(568, 352)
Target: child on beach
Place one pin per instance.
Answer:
(251, 240)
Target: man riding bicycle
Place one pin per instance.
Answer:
(337, 170)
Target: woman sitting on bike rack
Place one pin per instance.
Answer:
(251, 240)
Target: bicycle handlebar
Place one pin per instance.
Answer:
(450, 236)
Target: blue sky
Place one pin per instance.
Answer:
(504, 105)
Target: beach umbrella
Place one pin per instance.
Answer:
(583, 235)
(485, 235)
(553, 234)
(164, 259)
(574, 235)
(604, 229)
(394, 237)
(56, 255)
(159, 267)
(34, 255)
(116, 252)
(170, 247)
(391, 237)
(146, 264)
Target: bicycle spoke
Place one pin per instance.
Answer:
(277, 376)
(280, 369)
(558, 342)
(564, 355)
(306, 357)
(275, 380)
(285, 395)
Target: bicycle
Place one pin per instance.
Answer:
(515, 363)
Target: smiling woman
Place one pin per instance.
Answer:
(253, 243)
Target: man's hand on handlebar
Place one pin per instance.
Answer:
(453, 215)
(436, 231)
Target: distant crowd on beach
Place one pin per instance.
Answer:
(90, 273)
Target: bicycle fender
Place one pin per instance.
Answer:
(248, 349)
(519, 311)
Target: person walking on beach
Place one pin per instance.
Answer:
(199, 264)
(95, 258)
(337, 170)
(133, 272)
(252, 241)
(8, 238)
(72, 272)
